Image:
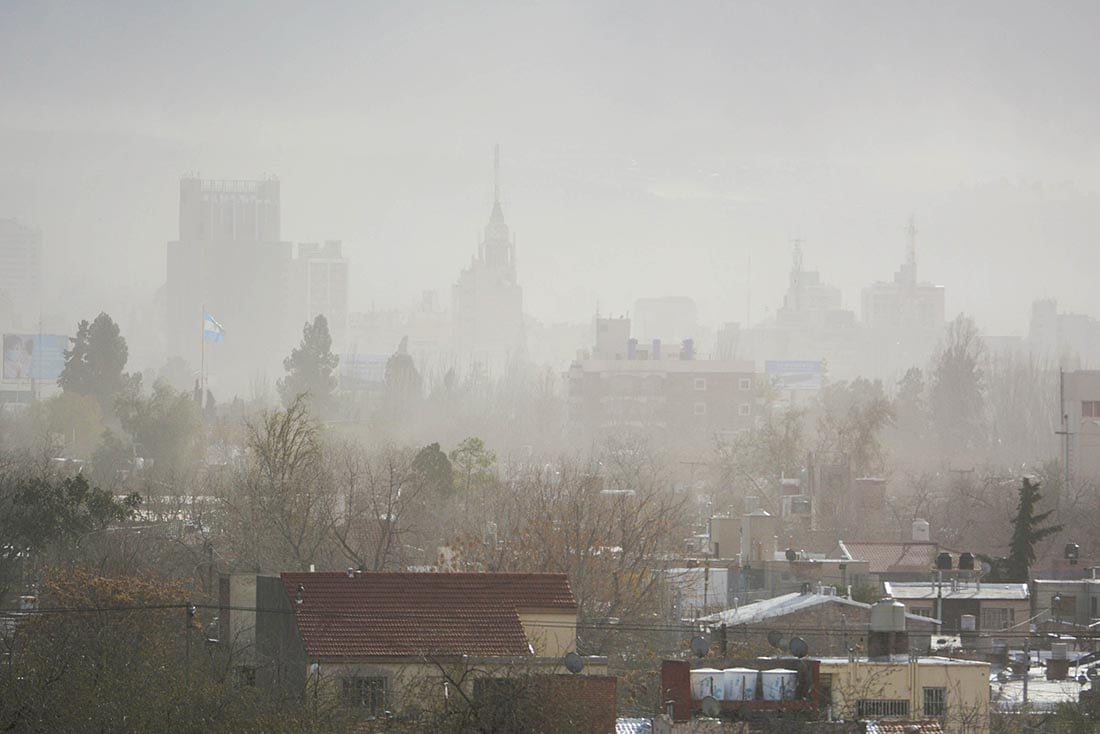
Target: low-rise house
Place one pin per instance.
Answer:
(993, 606)
(830, 624)
(887, 682)
(955, 692)
(1071, 602)
(389, 643)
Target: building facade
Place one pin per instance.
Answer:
(20, 276)
(230, 260)
(487, 300)
(321, 274)
(1081, 424)
(656, 392)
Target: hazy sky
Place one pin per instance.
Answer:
(649, 148)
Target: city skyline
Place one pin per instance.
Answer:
(666, 188)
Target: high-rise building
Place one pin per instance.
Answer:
(321, 272)
(487, 299)
(229, 260)
(20, 275)
(904, 318)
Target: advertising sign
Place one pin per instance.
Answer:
(805, 375)
(33, 356)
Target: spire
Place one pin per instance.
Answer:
(911, 230)
(907, 274)
(797, 265)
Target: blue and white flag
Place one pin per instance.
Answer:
(212, 331)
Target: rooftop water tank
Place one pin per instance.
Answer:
(888, 615)
(740, 684)
(779, 684)
(707, 682)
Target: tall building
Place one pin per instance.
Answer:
(321, 272)
(1071, 339)
(904, 318)
(811, 325)
(229, 259)
(20, 275)
(487, 299)
(657, 392)
(809, 302)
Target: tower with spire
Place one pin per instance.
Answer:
(903, 318)
(487, 298)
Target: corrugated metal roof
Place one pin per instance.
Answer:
(412, 614)
(927, 726)
(927, 590)
(780, 606)
(633, 726)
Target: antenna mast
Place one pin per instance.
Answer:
(496, 173)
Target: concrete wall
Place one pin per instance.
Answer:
(552, 634)
(966, 683)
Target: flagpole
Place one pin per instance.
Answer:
(202, 362)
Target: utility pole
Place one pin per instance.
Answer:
(1064, 433)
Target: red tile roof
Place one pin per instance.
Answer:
(414, 614)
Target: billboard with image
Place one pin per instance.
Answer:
(33, 356)
(796, 375)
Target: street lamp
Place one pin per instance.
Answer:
(1056, 606)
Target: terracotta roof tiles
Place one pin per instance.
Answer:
(414, 614)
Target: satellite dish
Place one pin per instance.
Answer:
(798, 647)
(574, 663)
(987, 568)
(700, 646)
(774, 638)
(711, 707)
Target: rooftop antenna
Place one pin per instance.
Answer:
(910, 268)
(496, 173)
(798, 254)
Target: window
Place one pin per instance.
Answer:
(935, 702)
(1095, 604)
(700, 409)
(921, 611)
(1090, 408)
(825, 689)
(366, 693)
(873, 708)
(745, 383)
(744, 409)
(700, 383)
(996, 618)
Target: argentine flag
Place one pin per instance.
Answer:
(212, 331)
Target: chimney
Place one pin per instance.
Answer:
(676, 688)
(921, 532)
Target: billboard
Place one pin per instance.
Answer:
(362, 371)
(33, 356)
(805, 375)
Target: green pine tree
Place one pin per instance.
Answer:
(94, 364)
(310, 367)
(1027, 531)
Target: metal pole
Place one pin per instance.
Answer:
(202, 358)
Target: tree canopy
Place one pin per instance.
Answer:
(310, 367)
(94, 364)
